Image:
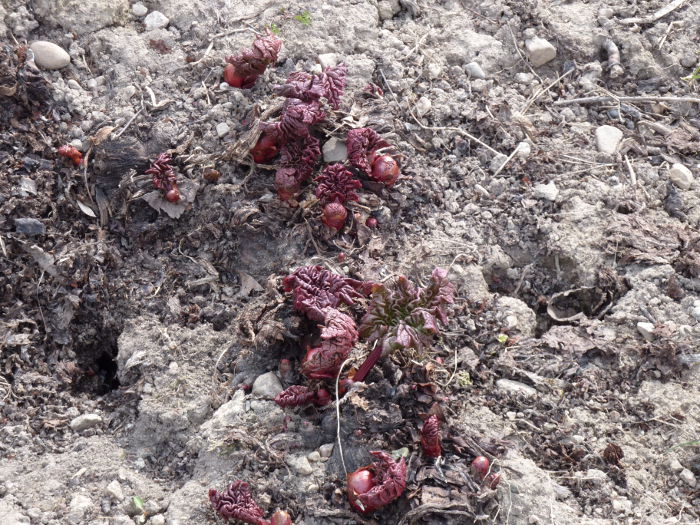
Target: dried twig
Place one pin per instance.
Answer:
(649, 19)
(599, 100)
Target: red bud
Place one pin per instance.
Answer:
(480, 467)
(385, 169)
(334, 215)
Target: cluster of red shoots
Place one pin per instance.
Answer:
(71, 153)
(318, 294)
(164, 177)
(237, 503)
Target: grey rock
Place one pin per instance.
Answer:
(85, 421)
(335, 150)
(547, 191)
(114, 491)
(474, 70)
(680, 176)
(675, 465)
(138, 9)
(326, 450)
(155, 20)
(608, 139)
(79, 505)
(515, 387)
(267, 386)
(517, 315)
(647, 330)
(688, 477)
(122, 520)
(222, 129)
(29, 226)
(422, 107)
(471, 280)
(314, 456)
(48, 55)
(300, 465)
(540, 51)
(158, 519)
(328, 60)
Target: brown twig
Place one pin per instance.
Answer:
(649, 19)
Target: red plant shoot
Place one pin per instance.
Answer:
(385, 169)
(480, 467)
(378, 484)
(430, 437)
(164, 178)
(338, 336)
(336, 184)
(365, 148)
(299, 395)
(265, 149)
(237, 503)
(243, 70)
(281, 517)
(334, 215)
(71, 153)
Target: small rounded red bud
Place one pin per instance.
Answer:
(385, 169)
(172, 195)
(231, 77)
(342, 257)
(492, 480)
(281, 517)
(344, 385)
(211, 175)
(334, 215)
(371, 222)
(265, 149)
(480, 467)
(359, 482)
(322, 397)
(285, 366)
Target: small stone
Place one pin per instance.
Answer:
(524, 78)
(540, 51)
(496, 162)
(474, 70)
(688, 477)
(85, 421)
(158, 519)
(326, 450)
(314, 456)
(139, 9)
(222, 129)
(267, 386)
(328, 60)
(48, 55)
(680, 176)
(647, 330)
(300, 465)
(608, 139)
(79, 505)
(546, 191)
(622, 505)
(155, 20)
(92, 83)
(73, 84)
(515, 387)
(114, 490)
(29, 226)
(335, 150)
(675, 465)
(524, 150)
(422, 106)
(122, 520)
(434, 70)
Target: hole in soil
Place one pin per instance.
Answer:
(98, 361)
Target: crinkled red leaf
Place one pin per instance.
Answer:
(336, 184)
(338, 336)
(297, 161)
(297, 117)
(389, 482)
(333, 79)
(237, 503)
(314, 288)
(163, 175)
(294, 396)
(303, 86)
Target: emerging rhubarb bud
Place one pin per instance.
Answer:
(164, 178)
(480, 467)
(385, 169)
(281, 517)
(243, 69)
(430, 437)
(266, 148)
(334, 215)
(237, 503)
(376, 485)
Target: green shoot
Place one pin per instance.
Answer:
(304, 17)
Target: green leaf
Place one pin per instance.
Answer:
(502, 338)
(304, 17)
(138, 503)
(275, 28)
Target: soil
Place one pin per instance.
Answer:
(140, 342)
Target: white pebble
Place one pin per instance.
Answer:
(222, 129)
(515, 387)
(334, 150)
(114, 490)
(155, 20)
(300, 465)
(675, 465)
(328, 60)
(139, 9)
(647, 330)
(326, 450)
(524, 150)
(474, 70)
(540, 51)
(680, 176)
(85, 421)
(267, 386)
(546, 191)
(48, 55)
(422, 106)
(608, 138)
(689, 478)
